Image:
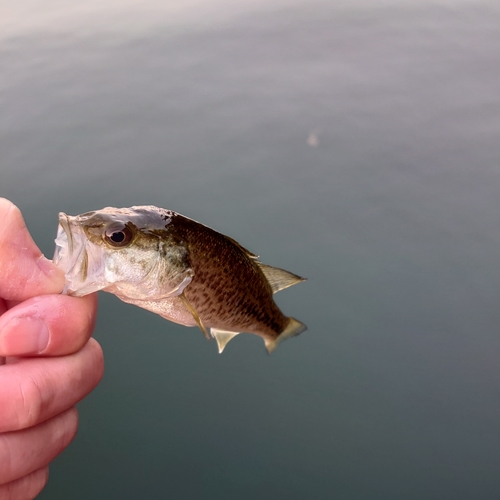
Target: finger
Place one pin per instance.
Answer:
(26, 451)
(25, 271)
(33, 390)
(3, 308)
(26, 487)
(49, 325)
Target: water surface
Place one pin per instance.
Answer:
(355, 144)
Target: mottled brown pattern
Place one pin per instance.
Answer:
(178, 268)
(229, 290)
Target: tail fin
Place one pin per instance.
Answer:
(293, 328)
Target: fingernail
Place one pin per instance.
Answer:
(22, 336)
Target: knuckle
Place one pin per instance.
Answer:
(66, 430)
(6, 458)
(32, 401)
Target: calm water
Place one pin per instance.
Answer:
(355, 144)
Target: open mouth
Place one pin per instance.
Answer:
(68, 249)
(64, 243)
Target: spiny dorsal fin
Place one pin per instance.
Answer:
(242, 248)
(293, 328)
(222, 337)
(279, 278)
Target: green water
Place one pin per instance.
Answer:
(355, 143)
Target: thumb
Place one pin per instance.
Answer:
(24, 271)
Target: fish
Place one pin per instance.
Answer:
(176, 267)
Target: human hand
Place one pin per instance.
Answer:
(50, 362)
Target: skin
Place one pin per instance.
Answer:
(50, 362)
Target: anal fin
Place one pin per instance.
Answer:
(222, 337)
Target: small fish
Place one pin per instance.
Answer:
(176, 267)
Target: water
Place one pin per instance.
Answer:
(355, 144)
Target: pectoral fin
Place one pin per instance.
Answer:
(279, 278)
(222, 337)
(192, 310)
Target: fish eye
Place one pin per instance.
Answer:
(118, 236)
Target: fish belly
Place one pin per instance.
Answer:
(172, 309)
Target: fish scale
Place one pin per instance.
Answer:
(248, 285)
(176, 267)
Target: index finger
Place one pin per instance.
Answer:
(24, 271)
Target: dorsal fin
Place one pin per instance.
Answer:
(242, 248)
(279, 278)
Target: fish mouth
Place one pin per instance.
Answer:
(64, 221)
(68, 249)
(64, 242)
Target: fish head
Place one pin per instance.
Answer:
(130, 252)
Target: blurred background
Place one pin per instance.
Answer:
(352, 142)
